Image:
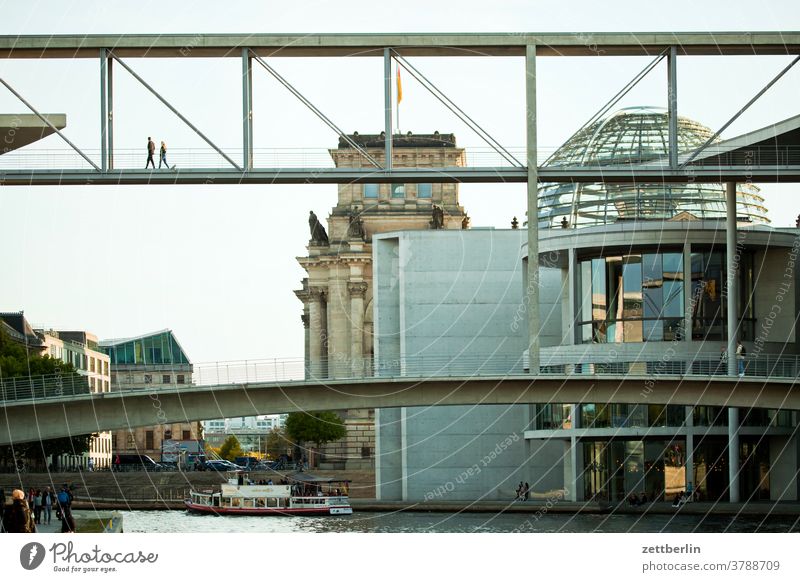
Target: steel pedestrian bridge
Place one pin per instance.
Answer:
(37, 408)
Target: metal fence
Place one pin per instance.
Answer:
(289, 370)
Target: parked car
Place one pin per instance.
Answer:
(122, 462)
(222, 465)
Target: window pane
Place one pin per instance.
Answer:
(632, 290)
(586, 291)
(424, 190)
(653, 331)
(599, 304)
(398, 191)
(370, 190)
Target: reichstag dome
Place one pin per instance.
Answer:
(636, 135)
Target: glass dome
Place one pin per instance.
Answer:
(637, 135)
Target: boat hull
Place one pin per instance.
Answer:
(326, 510)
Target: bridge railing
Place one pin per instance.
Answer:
(288, 370)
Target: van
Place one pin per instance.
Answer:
(126, 462)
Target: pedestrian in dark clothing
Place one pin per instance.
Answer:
(2, 507)
(37, 506)
(47, 505)
(151, 149)
(18, 518)
(67, 521)
(527, 491)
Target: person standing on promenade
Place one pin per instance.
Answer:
(527, 491)
(18, 518)
(2, 507)
(151, 149)
(37, 506)
(47, 505)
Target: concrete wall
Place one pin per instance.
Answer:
(784, 460)
(441, 295)
(774, 272)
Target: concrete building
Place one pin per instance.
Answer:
(631, 280)
(80, 348)
(150, 362)
(337, 294)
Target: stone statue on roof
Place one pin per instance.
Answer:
(318, 234)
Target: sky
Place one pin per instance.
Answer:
(217, 264)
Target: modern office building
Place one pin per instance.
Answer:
(250, 431)
(337, 294)
(150, 362)
(632, 281)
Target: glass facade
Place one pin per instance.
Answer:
(641, 297)
(424, 190)
(150, 350)
(371, 190)
(632, 298)
(614, 469)
(636, 135)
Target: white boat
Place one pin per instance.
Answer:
(303, 495)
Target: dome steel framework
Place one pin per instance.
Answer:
(636, 135)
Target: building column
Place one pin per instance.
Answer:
(338, 323)
(689, 452)
(733, 454)
(573, 480)
(317, 331)
(306, 337)
(732, 282)
(732, 288)
(357, 291)
(532, 284)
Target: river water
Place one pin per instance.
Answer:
(412, 522)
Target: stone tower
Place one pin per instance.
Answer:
(337, 293)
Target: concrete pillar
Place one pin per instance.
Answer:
(357, 291)
(672, 102)
(732, 282)
(403, 455)
(733, 454)
(532, 284)
(306, 319)
(338, 323)
(316, 334)
(689, 464)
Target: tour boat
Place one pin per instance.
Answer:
(304, 495)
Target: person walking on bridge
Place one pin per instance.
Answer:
(151, 149)
(162, 156)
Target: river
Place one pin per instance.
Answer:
(412, 522)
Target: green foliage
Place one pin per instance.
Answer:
(231, 449)
(277, 444)
(16, 361)
(315, 427)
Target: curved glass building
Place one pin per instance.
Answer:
(636, 135)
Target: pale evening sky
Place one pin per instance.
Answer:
(217, 263)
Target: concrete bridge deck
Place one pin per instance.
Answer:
(29, 420)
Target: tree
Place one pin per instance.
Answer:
(277, 444)
(315, 427)
(16, 361)
(231, 449)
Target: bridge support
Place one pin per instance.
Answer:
(106, 111)
(689, 452)
(387, 107)
(732, 290)
(532, 284)
(247, 110)
(672, 101)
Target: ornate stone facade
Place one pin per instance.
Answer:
(337, 294)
